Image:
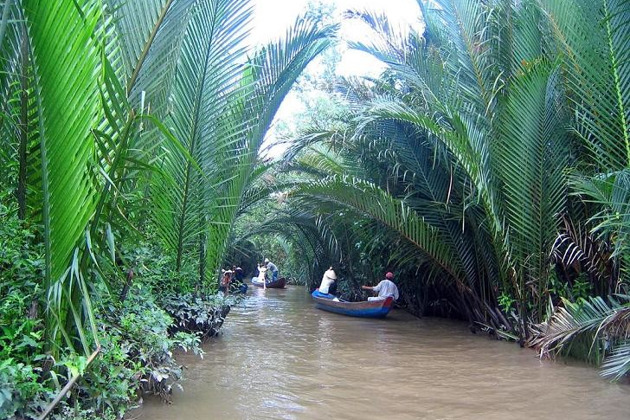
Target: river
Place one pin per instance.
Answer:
(280, 358)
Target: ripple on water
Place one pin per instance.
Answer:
(280, 358)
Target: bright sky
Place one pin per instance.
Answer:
(272, 17)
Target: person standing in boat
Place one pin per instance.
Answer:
(329, 282)
(384, 289)
(262, 272)
(271, 267)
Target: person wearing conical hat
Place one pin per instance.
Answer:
(328, 284)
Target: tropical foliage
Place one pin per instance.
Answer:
(486, 166)
(595, 328)
(130, 130)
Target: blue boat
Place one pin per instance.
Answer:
(364, 309)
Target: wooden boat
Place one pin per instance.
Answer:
(364, 309)
(278, 284)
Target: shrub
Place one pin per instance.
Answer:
(199, 315)
(137, 353)
(22, 391)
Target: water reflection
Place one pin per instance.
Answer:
(280, 358)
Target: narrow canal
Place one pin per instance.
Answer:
(280, 358)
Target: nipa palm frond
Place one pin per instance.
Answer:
(595, 321)
(66, 60)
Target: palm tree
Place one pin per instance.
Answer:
(475, 118)
(156, 96)
(592, 40)
(233, 101)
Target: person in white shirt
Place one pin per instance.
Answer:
(328, 282)
(384, 289)
(273, 270)
(262, 274)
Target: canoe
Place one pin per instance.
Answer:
(364, 309)
(278, 284)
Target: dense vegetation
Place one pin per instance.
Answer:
(130, 138)
(487, 166)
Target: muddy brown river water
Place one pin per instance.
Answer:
(280, 358)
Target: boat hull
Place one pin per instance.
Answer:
(278, 284)
(364, 309)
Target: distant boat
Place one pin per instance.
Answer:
(278, 284)
(363, 309)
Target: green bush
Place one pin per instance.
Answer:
(194, 314)
(137, 353)
(136, 335)
(22, 391)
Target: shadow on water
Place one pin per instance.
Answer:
(280, 358)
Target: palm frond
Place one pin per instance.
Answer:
(590, 321)
(594, 39)
(367, 199)
(209, 66)
(617, 365)
(272, 73)
(66, 61)
(532, 158)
